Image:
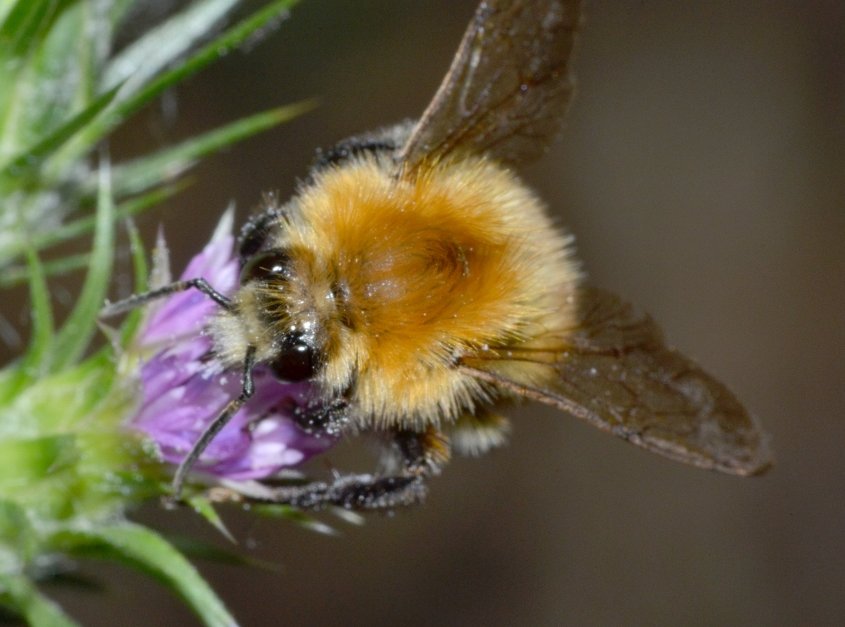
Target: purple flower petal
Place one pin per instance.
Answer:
(186, 313)
(183, 390)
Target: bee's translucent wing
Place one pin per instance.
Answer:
(509, 85)
(615, 372)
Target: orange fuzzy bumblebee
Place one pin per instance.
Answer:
(418, 283)
(404, 277)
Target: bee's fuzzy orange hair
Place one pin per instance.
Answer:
(408, 275)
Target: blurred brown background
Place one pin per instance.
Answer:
(702, 173)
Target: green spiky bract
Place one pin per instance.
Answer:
(69, 471)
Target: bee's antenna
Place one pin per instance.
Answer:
(211, 431)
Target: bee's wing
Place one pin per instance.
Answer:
(509, 85)
(615, 372)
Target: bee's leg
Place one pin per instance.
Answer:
(139, 300)
(211, 431)
(322, 419)
(354, 492)
(422, 455)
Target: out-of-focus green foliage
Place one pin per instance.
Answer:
(68, 469)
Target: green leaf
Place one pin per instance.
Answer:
(5, 7)
(144, 549)
(78, 227)
(159, 47)
(125, 209)
(25, 462)
(29, 159)
(16, 531)
(197, 549)
(27, 22)
(139, 175)
(204, 508)
(47, 84)
(296, 516)
(15, 275)
(140, 273)
(71, 581)
(118, 11)
(212, 51)
(36, 361)
(42, 316)
(60, 70)
(25, 599)
(77, 331)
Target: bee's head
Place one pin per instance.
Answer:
(281, 315)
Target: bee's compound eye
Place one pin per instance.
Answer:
(296, 359)
(265, 266)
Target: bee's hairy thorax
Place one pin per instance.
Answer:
(404, 276)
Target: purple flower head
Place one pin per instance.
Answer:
(184, 388)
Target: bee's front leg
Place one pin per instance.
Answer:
(322, 418)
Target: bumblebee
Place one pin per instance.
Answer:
(420, 286)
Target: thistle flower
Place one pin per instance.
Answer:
(184, 388)
(70, 470)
